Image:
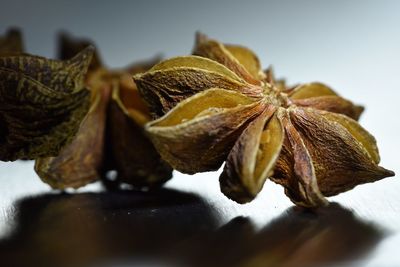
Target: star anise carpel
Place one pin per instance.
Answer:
(42, 101)
(111, 136)
(218, 105)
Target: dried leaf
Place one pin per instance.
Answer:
(211, 119)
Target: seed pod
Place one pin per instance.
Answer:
(42, 103)
(173, 80)
(80, 162)
(11, 43)
(320, 96)
(111, 137)
(68, 47)
(303, 138)
(134, 156)
(212, 119)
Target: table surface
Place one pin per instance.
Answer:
(190, 223)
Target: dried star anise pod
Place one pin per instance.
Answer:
(11, 43)
(111, 136)
(219, 106)
(42, 101)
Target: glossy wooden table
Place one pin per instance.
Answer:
(190, 223)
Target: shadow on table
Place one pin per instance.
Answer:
(92, 229)
(124, 228)
(326, 237)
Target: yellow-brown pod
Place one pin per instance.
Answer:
(219, 106)
(134, 157)
(252, 158)
(80, 162)
(111, 137)
(319, 96)
(196, 135)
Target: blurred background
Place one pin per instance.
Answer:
(353, 46)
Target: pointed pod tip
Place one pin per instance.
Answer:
(390, 173)
(85, 54)
(201, 37)
(138, 76)
(239, 197)
(358, 110)
(13, 31)
(234, 191)
(90, 49)
(382, 173)
(63, 35)
(157, 58)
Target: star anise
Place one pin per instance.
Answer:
(42, 101)
(11, 43)
(219, 106)
(111, 137)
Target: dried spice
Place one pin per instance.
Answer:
(111, 136)
(218, 105)
(11, 43)
(42, 101)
